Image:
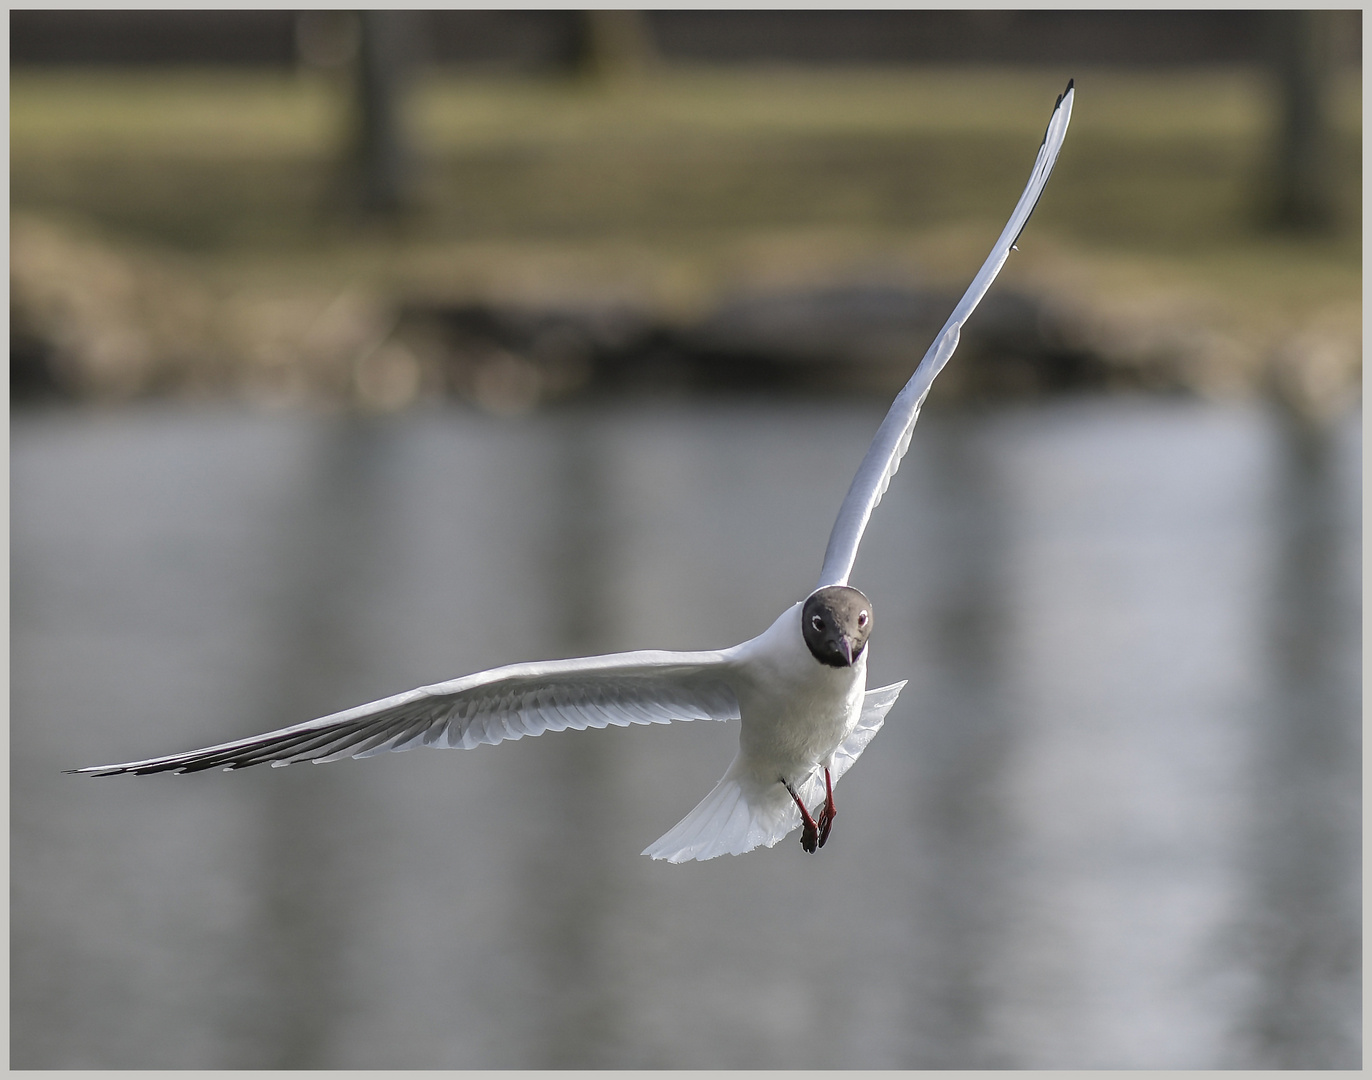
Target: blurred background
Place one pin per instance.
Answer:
(352, 351)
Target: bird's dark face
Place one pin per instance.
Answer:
(836, 621)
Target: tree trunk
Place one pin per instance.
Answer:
(382, 154)
(614, 46)
(1301, 61)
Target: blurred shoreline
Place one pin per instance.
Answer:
(183, 233)
(103, 321)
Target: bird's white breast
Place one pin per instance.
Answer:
(795, 710)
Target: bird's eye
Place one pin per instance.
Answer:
(862, 618)
(816, 622)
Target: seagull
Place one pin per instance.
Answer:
(799, 689)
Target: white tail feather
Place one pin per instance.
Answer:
(738, 816)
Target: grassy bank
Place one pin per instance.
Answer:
(677, 189)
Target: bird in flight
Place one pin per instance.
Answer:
(799, 689)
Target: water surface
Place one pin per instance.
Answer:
(1113, 820)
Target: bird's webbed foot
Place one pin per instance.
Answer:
(809, 831)
(825, 822)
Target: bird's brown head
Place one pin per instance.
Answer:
(836, 622)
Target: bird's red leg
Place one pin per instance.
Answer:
(826, 815)
(809, 832)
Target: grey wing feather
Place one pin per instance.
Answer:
(893, 437)
(489, 707)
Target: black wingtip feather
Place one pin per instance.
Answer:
(1058, 104)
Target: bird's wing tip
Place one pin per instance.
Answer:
(1056, 106)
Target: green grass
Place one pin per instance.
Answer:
(692, 176)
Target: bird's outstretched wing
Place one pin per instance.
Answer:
(504, 703)
(893, 437)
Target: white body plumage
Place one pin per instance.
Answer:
(795, 714)
(795, 711)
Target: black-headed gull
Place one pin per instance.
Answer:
(799, 688)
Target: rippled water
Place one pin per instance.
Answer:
(1112, 821)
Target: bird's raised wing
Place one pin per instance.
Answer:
(893, 437)
(504, 703)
